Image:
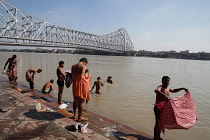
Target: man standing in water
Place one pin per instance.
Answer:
(162, 94)
(11, 70)
(80, 87)
(98, 85)
(60, 82)
(30, 73)
(109, 80)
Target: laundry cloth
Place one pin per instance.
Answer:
(178, 113)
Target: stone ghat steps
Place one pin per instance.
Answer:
(99, 127)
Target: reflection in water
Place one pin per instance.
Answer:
(97, 99)
(131, 102)
(109, 88)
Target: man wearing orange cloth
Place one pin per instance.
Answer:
(80, 87)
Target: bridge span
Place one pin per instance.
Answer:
(21, 29)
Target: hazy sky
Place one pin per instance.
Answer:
(153, 25)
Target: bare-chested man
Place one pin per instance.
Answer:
(162, 94)
(30, 73)
(60, 82)
(98, 85)
(109, 80)
(48, 87)
(11, 70)
(80, 87)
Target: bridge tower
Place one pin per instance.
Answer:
(20, 28)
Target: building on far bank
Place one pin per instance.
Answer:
(186, 51)
(172, 51)
(54, 50)
(175, 55)
(38, 49)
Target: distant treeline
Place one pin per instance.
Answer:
(38, 50)
(27, 50)
(162, 54)
(178, 55)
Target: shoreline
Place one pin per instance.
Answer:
(146, 56)
(99, 126)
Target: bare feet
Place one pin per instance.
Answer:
(74, 117)
(32, 90)
(60, 103)
(82, 119)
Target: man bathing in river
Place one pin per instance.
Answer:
(80, 87)
(98, 85)
(109, 80)
(48, 87)
(162, 94)
(60, 82)
(11, 70)
(30, 73)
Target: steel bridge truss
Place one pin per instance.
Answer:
(20, 28)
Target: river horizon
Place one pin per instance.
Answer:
(130, 100)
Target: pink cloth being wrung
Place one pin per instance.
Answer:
(178, 113)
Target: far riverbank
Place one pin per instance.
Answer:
(142, 53)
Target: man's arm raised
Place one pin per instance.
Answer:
(177, 90)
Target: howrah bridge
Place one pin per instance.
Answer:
(21, 29)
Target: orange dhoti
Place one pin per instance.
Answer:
(81, 86)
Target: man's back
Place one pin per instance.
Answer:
(47, 85)
(98, 84)
(77, 68)
(109, 81)
(80, 85)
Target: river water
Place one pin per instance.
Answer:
(130, 100)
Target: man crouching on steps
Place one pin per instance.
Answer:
(48, 87)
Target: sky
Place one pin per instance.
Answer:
(153, 25)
